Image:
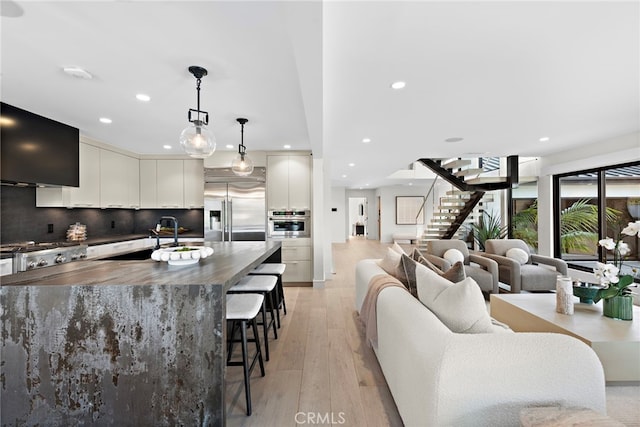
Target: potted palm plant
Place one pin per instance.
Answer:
(489, 226)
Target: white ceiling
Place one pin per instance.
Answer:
(316, 75)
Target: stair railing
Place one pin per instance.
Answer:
(424, 199)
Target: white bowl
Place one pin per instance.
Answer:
(180, 256)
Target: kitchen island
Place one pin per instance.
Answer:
(121, 342)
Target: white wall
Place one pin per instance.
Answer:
(339, 231)
(614, 151)
(321, 245)
(388, 211)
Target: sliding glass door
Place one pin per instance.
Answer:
(592, 205)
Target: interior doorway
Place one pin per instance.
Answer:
(358, 218)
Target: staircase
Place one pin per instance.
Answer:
(463, 203)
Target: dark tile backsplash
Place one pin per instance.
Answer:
(21, 220)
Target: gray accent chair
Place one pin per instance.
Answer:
(529, 276)
(483, 270)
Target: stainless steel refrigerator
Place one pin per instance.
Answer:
(234, 207)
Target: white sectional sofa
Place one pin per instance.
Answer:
(441, 378)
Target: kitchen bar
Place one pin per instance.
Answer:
(121, 342)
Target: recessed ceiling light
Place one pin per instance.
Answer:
(286, 146)
(166, 147)
(352, 164)
(398, 85)
(105, 120)
(229, 146)
(143, 97)
(344, 176)
(453, 139)
(544, 139)
(366, 140)
(78, 72)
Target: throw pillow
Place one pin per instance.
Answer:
(454, 274)
(453, 256)
(518, 254)
(396, 247)
(390, 262)
(460, 306)
(407, 274)
(416, 254)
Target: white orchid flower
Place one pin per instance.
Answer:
(623, 249)
(632, 229)
(607, 243)
(606, 273)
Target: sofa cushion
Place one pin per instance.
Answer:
(460, 306)
(519, 255)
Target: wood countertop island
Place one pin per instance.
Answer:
(120, 342)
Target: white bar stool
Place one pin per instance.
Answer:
(264, 285)
(244, 308)
(274, 269)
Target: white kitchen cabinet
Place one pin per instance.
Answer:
(170, 182)
(116, 248)
(6, 267)
(87, 195)
(278, 182)
(132, 167)
(49, 197)
(300, 182)
(148, 185)
(193, 183)
(297, 255)
(119, 180)
(289, 182)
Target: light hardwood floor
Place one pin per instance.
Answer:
(320, 366)
(321, 371)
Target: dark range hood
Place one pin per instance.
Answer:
(36, 150)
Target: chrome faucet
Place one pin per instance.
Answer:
(175, 230)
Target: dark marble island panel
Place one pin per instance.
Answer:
(120, 342)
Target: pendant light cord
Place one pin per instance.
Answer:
(198, 80)
(241, 147)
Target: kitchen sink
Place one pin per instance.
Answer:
(130, 256)
(143, 254)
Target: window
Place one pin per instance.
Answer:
(594, 204)
(524, 217)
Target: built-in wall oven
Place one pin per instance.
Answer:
(289, 223)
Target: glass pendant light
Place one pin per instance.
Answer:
(242, 164)
(196, 139)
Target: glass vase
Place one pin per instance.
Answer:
(618, 307)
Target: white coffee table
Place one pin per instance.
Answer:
(616, 342)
